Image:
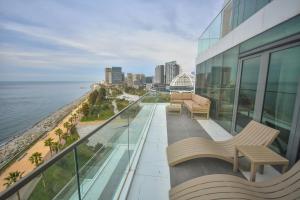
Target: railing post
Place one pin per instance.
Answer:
(77, 172)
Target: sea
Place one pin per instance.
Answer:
(23, 104)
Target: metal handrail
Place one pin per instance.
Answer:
(37, 171)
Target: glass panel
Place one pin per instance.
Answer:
(216, 80)
(103, 160)
(56, 182)
(140, 116)
(283, 30)
(224, 105)
(280, 95)
(227, 19)
(215, 30)
(215, 83)
(234, 13)
(247, 93)
(249, 8)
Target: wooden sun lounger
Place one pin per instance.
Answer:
(196, 147)
(222, 186)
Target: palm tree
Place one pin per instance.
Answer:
(37, 159)
(55, 146)
(12, 178)
(67, 126)
(59, 132)
(48, 143)
(71, 120)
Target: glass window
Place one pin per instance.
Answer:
(281, 31)
(227, 88)
(247, 93)
(280, 95)
(216, 80)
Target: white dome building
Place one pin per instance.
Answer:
(183, 82)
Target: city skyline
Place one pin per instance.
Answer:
(75, 41)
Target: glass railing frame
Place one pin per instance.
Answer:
(13, 189)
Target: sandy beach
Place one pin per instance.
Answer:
(44, 129)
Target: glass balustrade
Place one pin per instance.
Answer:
(232, 14)
(96, 166)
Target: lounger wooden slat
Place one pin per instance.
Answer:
(196, 147)
(222, 186)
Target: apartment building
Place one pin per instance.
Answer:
(114, 75)
(172, 69)
(159, 74)
(248, 64)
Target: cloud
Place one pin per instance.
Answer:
(84, 36)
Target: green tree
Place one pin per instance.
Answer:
(85, 109)
(12, 178)
(67, 126)
(55, 146)
(92, 97)
(59, 133)
(37, 159)
(102, 94)
(48, 143)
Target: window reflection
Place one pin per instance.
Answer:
(247, 93)
(280, 95)
(216, 80)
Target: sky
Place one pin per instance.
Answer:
(74, 40)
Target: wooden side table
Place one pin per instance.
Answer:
(174, 108)
(258, 156)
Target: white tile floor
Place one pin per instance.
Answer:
(152, 178)
(218, 133)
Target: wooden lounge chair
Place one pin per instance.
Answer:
(196, 147)
(222, 186)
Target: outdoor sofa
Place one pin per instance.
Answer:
(194, 103)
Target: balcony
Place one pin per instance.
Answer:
(233, 13)
(125, 158)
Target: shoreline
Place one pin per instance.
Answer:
(13, 148)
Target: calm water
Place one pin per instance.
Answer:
(22, 104)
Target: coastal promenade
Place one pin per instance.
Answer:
(23, 164)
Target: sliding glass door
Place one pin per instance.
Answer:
(280, 94)
(267, 92)
(247, 92)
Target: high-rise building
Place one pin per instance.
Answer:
(107, 75)
(149, 79)
(172, 69)
(129, 79)
(159, 74)
(114, 75)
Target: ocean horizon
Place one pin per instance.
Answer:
(25, 103)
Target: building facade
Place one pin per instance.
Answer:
(116, 75)
(172, 69)
(159, 74)
(248, 64)
(129, 79)
(107, 71)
